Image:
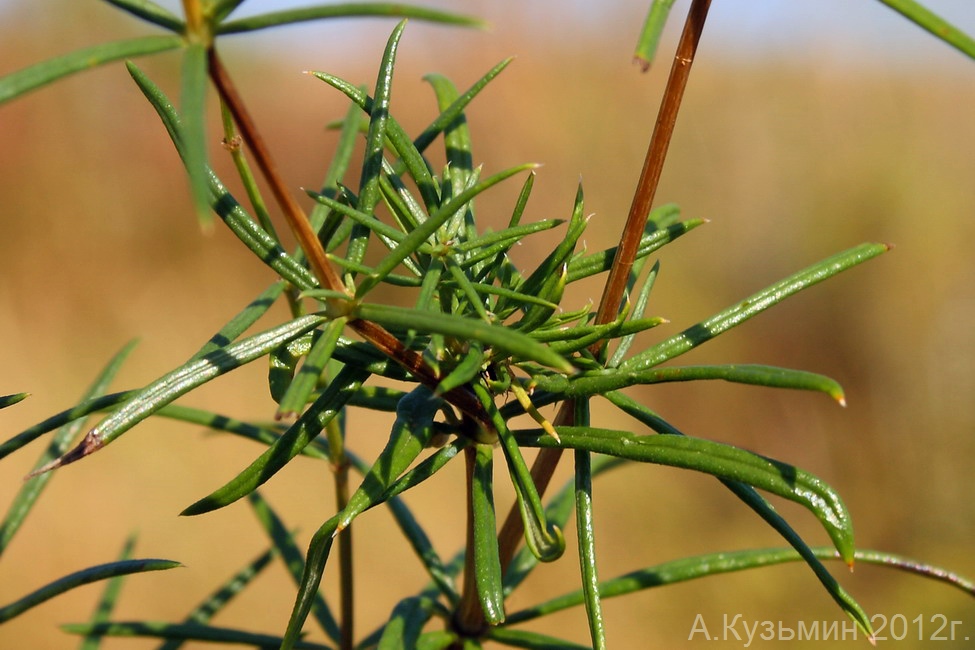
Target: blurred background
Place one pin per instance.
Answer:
(807, 127)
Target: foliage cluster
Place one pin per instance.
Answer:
(484, 345)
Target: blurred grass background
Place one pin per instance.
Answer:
(793, 154)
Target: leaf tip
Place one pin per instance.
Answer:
(90, 444)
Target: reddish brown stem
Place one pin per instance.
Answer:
(653, 164)
(547, 460)
(294, 215)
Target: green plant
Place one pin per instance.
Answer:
(479, 329)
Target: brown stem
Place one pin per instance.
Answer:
(653, 164)
(547, 460)
(293, 213)
(346, 577)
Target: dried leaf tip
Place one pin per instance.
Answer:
(91, 443)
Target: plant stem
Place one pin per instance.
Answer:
(653, 164)
(293, 213)
(340, 471)
(548, 459)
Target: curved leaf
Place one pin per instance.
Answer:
(521, 346)
(31, 490)
(191, 375)
(602, 382)
(755, 304)
(79, 578)
(185, 632)
(345, 10)
(151, 12)
(487, 565)
(934, 24)
(723, 461)
(289, 445)
(41, 74)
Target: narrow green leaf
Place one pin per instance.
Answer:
(41, 74)
(284, 544)
(193, 105)
(185, 632)
(723, 461)
(243, 320)
(181, 381)
(311, 578)
(456, 108)
(410, 157)
(415, 238)
(113, 587)
(600, 382)
(530, 640)
(750, 497)
(585, 529)
(372, 165)
(151, 12)
(406, 623)
(263, 245)
(655, 237)
(86, 407)
(939, 27)
(560, 256)
(222, 597)
(691, 568)
(79, 578)
(501, 241)
(639, 308)
(519, 345)
(233, 143)
(10, 400)
(223, 8)
(543, 538)
(341, 160)
(296, 438)
(740, 312)
(368, 220)
(344, 10)
(306, 381)
(410, 434)
(459, 173)
(653, 27)
(408, 524)
(560, 507)
(487, 565)
(31, 490)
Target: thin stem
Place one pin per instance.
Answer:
(340, 469)
(653, 164)
(293, 213)
(548, 459)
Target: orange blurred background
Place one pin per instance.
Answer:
(792, 155)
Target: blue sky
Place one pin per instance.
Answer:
(859, 29)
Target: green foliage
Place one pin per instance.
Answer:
(480, 330)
